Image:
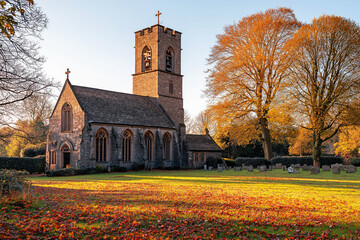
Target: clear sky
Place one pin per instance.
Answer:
(95, 39)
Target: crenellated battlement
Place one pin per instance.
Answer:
(163, 29)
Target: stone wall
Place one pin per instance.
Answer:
(57, 139)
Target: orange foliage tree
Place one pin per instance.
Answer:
(325, 74)
(250, 65)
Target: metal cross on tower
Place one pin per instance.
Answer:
(158, 16)
(67, 73)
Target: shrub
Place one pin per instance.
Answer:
(230, 162)
(33, 150)
(14, 188)
(31, 165)
(355, 162)
(213, 162)
(137, 166)
(118, 169)
(255, 162)
(308, 160)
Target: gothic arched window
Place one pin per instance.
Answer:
(126, 146)
(169, 60)
(101, 145)
(166, 142)
(66, 118)
(149, 143)
(146, 59)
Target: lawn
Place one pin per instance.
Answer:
(189, 204)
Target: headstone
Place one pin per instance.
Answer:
(290, 170)
(262, 168)
(210, 168)
(315, 170)
(237, 168)
(250, 168)
(269, 169)
(220, 169)
(305, 167)
(342, 167)
(273, 167)
(245, 167)
(336, 170)
(284, 168)
(326, 168)
(219, 165)
(296, 170)
(350, 169)
(278, 166)
(205, 167)
(109, 169)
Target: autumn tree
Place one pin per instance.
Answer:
(21, 75)
(250, 65)
(302, 144)
(325, 74)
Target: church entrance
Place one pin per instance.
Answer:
(66, 156)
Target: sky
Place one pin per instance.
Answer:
(95, 39)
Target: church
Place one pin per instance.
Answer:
(92, 127)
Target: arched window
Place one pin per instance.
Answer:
(101, 145)
(169, 60)
(171, 87)
(146, 59)
(126, 146)
(166, 141)
(149, 143)
(66, 118)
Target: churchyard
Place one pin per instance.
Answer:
(189, 204)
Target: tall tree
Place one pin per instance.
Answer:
(325, 74)
(250, 66)
(20, 63)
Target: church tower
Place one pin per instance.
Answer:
(158, 69)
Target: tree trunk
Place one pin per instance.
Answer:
(316, 148)
(266, 139)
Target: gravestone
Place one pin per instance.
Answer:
(262, 168)
(296, 170)
(284, 168)
(336, 170)
(278, 166)
(220, 169)
(237, 168)
(210, 168)
(305, 167)
(326, 168)
(245, 167)
(205, 167)
(290, 169)
(350, 169)
(315, 170)
(269, 169)
(250, 168)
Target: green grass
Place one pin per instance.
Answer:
(191, 204)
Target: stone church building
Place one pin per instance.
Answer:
(91, 127)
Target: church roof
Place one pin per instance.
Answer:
(110, 107)
(202, 143)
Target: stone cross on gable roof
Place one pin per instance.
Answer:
(67, 74)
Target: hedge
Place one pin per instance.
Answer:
(255, 162)
(230, 162)
(355, 162)
(32, 165)
(308, 160)
(213, 162)
(82, 171)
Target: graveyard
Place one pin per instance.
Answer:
(225, 203)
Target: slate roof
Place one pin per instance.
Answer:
(202, 143)
(110, 107)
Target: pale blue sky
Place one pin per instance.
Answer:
(95, 39)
